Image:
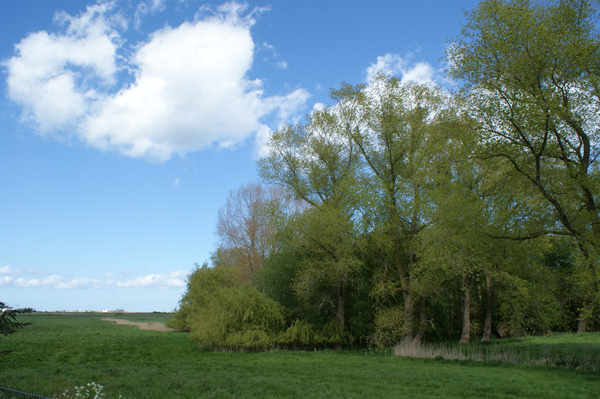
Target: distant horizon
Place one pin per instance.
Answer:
(96, 311)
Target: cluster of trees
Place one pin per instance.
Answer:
(403, 212)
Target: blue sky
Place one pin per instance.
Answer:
(125, 124)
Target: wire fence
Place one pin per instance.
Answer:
(7, 393)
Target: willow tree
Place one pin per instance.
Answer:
(531, 73)
(398, 129)
(318, 166)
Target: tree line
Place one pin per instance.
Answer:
(404, 212)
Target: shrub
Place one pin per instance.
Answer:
(236, 318)
(201, 285)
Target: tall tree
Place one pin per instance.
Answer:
(318, 165)
(397, 128)
(532, 76)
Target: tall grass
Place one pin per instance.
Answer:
(527, 354)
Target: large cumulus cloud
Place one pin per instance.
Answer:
(186, 87)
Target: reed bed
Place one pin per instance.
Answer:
(501, 353)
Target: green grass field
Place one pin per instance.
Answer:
(59, 351)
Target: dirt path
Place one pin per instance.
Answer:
(142, 325)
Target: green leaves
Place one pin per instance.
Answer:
(531, 74)
(8, 319)
(231, 315)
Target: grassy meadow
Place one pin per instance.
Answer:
(59, 351)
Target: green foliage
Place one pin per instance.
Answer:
(236, 318)
(388, 327)
(221, 312)
(532, 82)
(529, 309)
(201, 285)
(277, 277)
(8, 319)
(301, 335)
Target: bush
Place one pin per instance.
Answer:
(236, 318)
(201, 285)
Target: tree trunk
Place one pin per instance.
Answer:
(341, 303)
(422, 323)
(408, 318)
(490, 299)
(341, 310)
(583, 317)
(581, 326)
(466, 328)
(409, 299)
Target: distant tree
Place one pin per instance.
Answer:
(8, 319)
(246, 226)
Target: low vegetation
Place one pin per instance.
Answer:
(575, 351)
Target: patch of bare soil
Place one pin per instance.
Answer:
(142, 325)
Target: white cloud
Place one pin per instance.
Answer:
(161, 281)
(148, 7)
(5, 280)
(287, 112)
(261, 148)
(5, 269)
(54, 282)
(319, 107)
(176, 183)
(397, 65)
(52, 74)
(176, 279)
(190, 89)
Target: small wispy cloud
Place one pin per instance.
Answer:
(176, 183)
(161, 281)
(54, 282)
(5, 270)
(148, 7)
(274, 56)
(10, 277)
